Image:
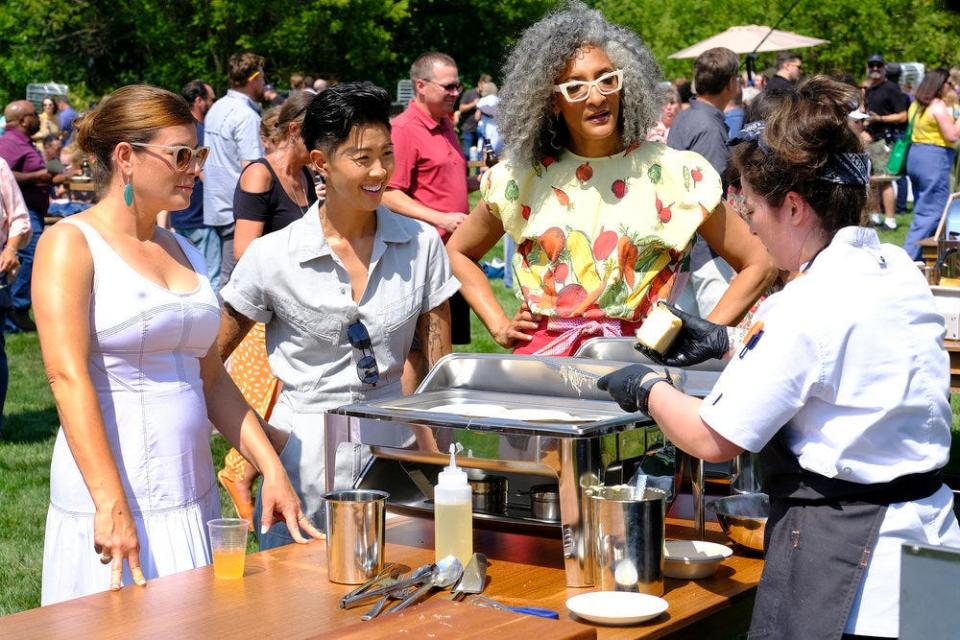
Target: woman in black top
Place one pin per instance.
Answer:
(277, 189)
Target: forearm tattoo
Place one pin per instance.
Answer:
(433, 332)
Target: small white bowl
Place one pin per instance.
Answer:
(693, 559)
(616, 607)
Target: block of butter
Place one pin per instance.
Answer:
(659, 329)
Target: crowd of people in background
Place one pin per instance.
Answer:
(250, 122)
(323, 216)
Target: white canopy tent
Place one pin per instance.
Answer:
(745, 39)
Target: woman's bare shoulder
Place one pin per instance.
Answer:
(256, 178)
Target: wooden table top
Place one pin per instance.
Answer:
(285, 593)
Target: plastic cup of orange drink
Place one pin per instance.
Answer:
(228, 541)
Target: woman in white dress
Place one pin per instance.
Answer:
(127, 322)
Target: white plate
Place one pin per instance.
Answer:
(616, 607)
(693, 559)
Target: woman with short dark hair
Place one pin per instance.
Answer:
(346, 292)
(841, 385)
(272, 192)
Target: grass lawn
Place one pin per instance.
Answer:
(30, 427)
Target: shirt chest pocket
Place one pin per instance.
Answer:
(400, 310)
(315, 323)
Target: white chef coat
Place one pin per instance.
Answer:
(851, 363)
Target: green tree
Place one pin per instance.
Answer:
(904, 30)
(98, 45)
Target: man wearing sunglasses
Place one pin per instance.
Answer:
(887, 106)
(789, 72)
(430, 180)
(232, 131)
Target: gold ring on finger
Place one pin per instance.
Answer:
(105, 558)
(302, 516)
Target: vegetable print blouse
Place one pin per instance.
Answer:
(602, 237)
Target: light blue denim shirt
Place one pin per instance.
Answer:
(232, 131)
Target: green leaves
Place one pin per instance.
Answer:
(97, 45)
(903, 30)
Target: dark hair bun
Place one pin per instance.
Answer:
(810, 123)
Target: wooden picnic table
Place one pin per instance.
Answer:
(285, 594)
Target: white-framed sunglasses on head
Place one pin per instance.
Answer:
(579, 90)
(182, 155)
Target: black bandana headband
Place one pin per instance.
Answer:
(841, 168)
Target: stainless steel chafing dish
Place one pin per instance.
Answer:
(622, 349)
(597, 441)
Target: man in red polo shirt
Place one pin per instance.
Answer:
(429, 181)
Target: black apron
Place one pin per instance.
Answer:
(818, 541)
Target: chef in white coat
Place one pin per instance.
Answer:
(842, 385)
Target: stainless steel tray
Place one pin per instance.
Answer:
(513, 374)
(596, 417)
(543, 375)
(621, 349)
(519, 382)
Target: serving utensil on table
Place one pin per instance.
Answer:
(415, 578)
(474, 577)
(446, 572)
(381, 604)
(390, 571)
(539, 612)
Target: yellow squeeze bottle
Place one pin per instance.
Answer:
(453, 513)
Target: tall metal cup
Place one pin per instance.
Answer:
(355, 534)
(629, 537)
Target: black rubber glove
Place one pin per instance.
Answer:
(627, 388)
(698, 341)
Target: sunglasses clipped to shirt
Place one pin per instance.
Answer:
(182, 155)
(359, 339)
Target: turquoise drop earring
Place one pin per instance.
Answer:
(128, 194)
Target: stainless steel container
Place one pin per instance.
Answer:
(489, 493)
(594, 441)
(545, 502)
(696, 380)
(356, 522)
(629, 538)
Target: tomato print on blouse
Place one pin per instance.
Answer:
(602, 237)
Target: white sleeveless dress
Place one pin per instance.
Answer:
(145, 348)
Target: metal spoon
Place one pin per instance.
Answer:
(447, 571)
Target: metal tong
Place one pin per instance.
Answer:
(390, 570)
(364, 592)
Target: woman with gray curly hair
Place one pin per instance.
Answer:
(603, 220)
